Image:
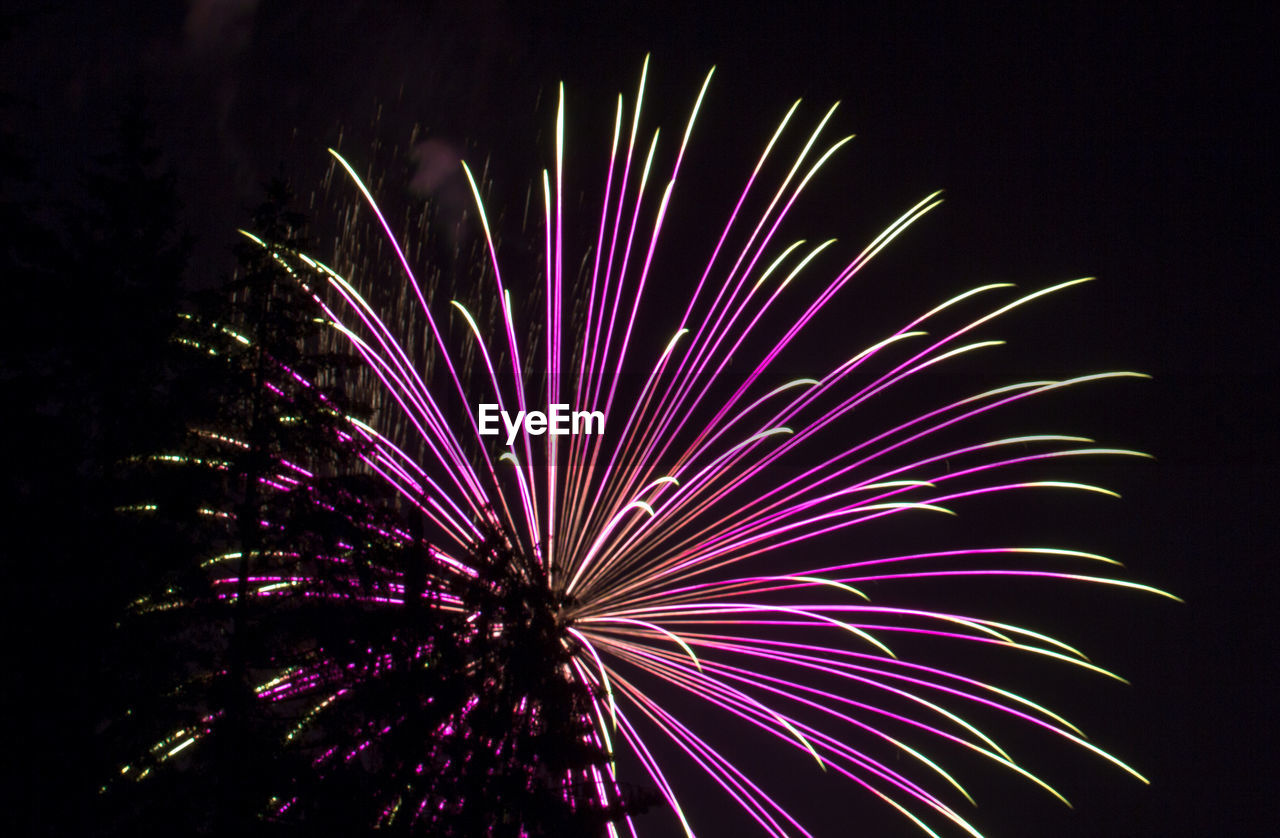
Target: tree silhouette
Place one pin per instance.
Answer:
(451, 713)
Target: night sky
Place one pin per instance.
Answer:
(1127, 145)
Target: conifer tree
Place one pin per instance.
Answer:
(446, 714)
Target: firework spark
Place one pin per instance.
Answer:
(661, 555)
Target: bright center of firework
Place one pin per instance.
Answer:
(512, 598)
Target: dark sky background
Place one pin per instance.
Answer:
(1129, 145)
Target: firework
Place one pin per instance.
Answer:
(668, 552)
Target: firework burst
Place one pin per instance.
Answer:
(572, 583)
